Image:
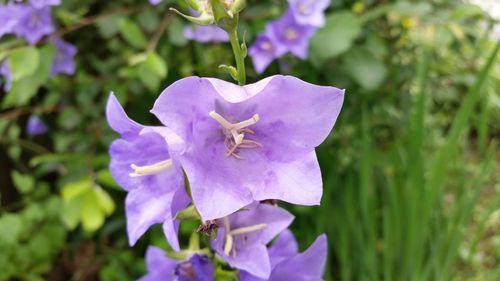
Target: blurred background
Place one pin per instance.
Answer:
(411, 170)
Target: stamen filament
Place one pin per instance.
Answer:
(226, 124)
(237, 132)
(246, 123)
(151, 169)
(247, 229)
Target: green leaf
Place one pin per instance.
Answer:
(156, 64)
(104, 200)
(10, 228)
(23, 62)
(176, 32)
(91, 213)
(365, 68)
(335, 38)
(132, 34)
(75, 189)
(23, 89)
(71, 212)
(23, 183)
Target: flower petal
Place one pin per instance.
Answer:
(309, 265)
(118, 119)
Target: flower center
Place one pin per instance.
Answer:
(291, 34)
(153, 169)
(235, 134)
(229, 246)
(266, 46)
(305, 7)
(187, 271)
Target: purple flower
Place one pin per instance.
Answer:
(34, 23)
(263, 51)
(249, 143)
(35, 126)
(44, 3)
(291, 36)
(154, 2)
(162, 268)
(206, 34)
(288, 264)
(141, 164)
(309, 12)
(9, 15)
(242, 237)
(63, 61)
(7, 75)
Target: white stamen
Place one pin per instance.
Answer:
(150, 169)
(247, 229)
(229, 246)
(291, 34)
(237, 132)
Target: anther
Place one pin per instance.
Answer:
(150, 169)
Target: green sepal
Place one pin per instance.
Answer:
(189, 213)
(231, 70)
(205, 18)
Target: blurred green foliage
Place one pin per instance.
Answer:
(410, 171)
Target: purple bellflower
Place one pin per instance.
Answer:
(34, 23)
(44, 3)
(309, 12)
(249, 143)
(242, 237)
(161, 268)
(291, 36)
(206, 34)
(63, 61)
(290, 265)
(141, 164)
(7, 76)
(35, 126)
(263, 51)
(9, 15)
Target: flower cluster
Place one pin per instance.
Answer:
(290, 33)
(33, 21)
(226, 153)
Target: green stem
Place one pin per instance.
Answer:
(238, 52)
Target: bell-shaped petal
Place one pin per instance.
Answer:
(242, 237)
(288, 264)
(280, 120)
(142, 165)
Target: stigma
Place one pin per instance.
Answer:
(235, 133)
(229, 246)
(153, 169)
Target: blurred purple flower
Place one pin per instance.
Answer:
(9, 15)
(206, 34)
(288, 264)
(35, 126)
(162, 268)
(242, 237)
(141, 164)
(63, 61)
(309, 12)
(154, 2)
(249, 143)
(263, 51)
(44, 3)
(34, 23)
(291, 36)
(7, 76)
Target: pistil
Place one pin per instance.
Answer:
(237, 132)
(151, 169)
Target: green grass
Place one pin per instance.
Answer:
(402, 212)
